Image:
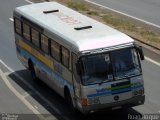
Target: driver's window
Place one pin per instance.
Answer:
(74, 69)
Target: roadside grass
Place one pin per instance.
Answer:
(78, 6)
(139, 32)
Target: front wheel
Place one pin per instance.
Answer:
(69, 101)
(32, 71)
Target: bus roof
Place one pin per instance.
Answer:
(80, 31)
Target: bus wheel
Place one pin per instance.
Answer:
(69, 99)
(32, 71)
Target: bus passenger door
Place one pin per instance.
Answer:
(75, 79)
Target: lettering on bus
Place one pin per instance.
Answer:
(67, 19)
(101, 90)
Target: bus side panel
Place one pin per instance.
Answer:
(21, 57)
(46, 73)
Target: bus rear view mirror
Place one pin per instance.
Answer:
(140, 52)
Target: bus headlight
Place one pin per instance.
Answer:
(138, 92)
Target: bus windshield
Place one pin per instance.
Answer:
(125, 63)
(110, 66)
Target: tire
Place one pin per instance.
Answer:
(32, 71)
(69, 100)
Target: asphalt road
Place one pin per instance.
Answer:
(19, 95)
(147, 10)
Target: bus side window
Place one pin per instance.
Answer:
(55, 50)
(44, 43)
(35, 37)
(65, 57)
(18, 26)
(26, 31)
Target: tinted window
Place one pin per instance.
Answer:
(35, 37)
(74, 67)
(17, 26)
(65, 56)
(55, 50)
(26, 31)
(44, 43)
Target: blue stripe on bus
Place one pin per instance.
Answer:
(115, 91)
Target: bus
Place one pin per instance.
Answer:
(91, 65)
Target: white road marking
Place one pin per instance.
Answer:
(152, 61)
(11, 19)
(146, 22)
(33, 89)
(26, 94)
(4, 78)
(10, 69)
(29, 1)
(7, 73)
(35, 107)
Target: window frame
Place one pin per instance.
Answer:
(28, 39)
(15, 26)
(37, 37)
(59, 59)
(74, 67)
(43, 49)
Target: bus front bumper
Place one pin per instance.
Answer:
(135, 101)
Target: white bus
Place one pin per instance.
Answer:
(93, 66)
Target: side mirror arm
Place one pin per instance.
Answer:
(140, 52)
